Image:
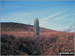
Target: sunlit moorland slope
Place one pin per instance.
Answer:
(19, 39)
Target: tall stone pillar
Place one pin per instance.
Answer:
(36, 27)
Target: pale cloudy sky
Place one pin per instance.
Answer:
(51, 14)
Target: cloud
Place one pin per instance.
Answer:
(62, 17)
(70, 28)
(44, 21)
(67, 28)
(50, 16)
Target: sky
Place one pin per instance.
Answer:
(55, 15)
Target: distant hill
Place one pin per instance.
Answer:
(10, 26)
(19, 39)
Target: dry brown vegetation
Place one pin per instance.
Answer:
(20, 40)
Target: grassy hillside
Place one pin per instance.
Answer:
(19, 39)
